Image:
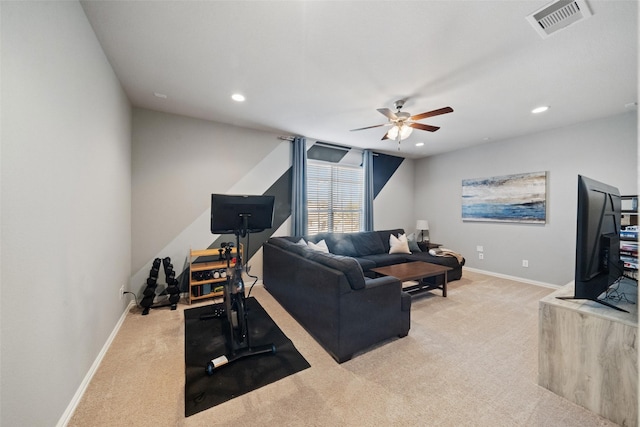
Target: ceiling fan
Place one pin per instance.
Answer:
(403, 123)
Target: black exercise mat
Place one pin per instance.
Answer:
(204, 340)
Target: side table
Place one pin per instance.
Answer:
(426, 245)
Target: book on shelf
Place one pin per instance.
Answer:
(629, 234)
(629, 262)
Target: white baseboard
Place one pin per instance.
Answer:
(66, 416)
(517, 279)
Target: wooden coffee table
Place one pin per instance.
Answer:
(416, 270)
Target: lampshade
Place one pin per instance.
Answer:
(404, 132)
(422, 224)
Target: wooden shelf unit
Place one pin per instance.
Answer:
(198, 286)
(629, 236)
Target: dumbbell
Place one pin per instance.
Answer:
(173, 286)
(149, 291)
(168, 267)
(147, 301)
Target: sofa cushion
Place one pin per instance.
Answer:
(383, 260)
(289, 245)
(398, 245)
(315, 238)
(384, 237)
(366, 264)
(321, 246)
(282, 242)
(303, 251)
(367, 243)
(340, 244)
(347, 265)
(413, 244)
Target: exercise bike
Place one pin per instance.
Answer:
(235, 322)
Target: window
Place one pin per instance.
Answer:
(334, 197)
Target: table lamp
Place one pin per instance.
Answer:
(423, 225)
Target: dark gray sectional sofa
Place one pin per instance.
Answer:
(335, 296)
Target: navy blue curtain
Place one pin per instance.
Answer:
(299, 187)
(367, 166)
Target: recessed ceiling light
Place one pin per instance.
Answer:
(540, 109)
(419, 144)
(159, 95)
(237, 97)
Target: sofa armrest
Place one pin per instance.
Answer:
(380, 281)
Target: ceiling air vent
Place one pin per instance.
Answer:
(558, 15)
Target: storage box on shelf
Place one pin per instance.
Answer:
(207, 272)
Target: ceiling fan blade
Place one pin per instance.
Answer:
(386, 136)
(388, 113)
(423, 127)
(444, 110)
(370, 127)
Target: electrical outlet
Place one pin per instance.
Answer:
(479, 249)
(480, 255)
(121, 291)
(525, 263)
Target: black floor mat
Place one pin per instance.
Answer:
(204, 340)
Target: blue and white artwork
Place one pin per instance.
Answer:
(509, 198)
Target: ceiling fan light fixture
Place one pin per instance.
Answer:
(393, 132)
(405, 131)
(399, 131)
(402, 123)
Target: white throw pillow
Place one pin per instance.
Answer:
(399, 245)
(321, 246)
(301, 242)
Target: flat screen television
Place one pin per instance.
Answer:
(232, 214)
(598, 263)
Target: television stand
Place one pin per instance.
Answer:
(587, 353)
(599, 301)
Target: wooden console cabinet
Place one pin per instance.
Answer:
(588, 353)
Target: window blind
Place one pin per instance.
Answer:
(334, 197)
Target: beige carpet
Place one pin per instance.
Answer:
(470, 360)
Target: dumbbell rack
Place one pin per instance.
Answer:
(172, 289)
(204, 263)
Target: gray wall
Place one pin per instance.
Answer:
(66, 203)
(605, 150)
(394, 206)
(177, 163)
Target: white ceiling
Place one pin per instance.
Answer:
(321, 68)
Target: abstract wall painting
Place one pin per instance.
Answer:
(510, 198)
